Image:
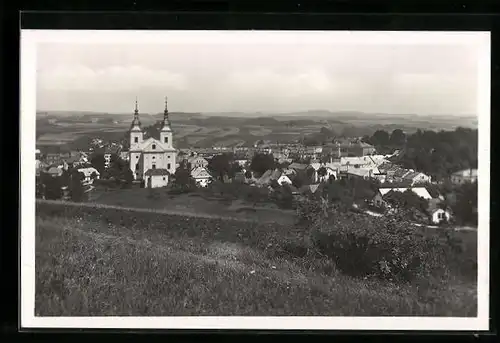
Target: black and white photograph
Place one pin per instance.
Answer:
(255, 179)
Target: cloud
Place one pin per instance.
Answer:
(280, 84)
(113, 78)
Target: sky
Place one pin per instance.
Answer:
(258, 77)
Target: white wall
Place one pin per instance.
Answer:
(158, 181)
(436, 216)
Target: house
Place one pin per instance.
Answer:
(330, 168)
(197, 161)
(363, 173)
(242, 162)
(378, 160)
(417, 177)
(347, 148)
(151, 153)
(357, 162)
(124, 155)
(464, 176)
(55, 171)
(108, 151)
(273, 175)
(87, 173)
(437, 214)
(155, 178)
(378, 199)
(201, 176)
(289, 172)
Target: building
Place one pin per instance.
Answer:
(417, 178)
(55, 171)
(378, 199)
(156, 178)
(273, 175)
(152, 153)
(108, 151)
(201, 176)
(330, 168)
(197, 161)
(464, 176)
(88, 175)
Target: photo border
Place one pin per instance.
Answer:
(29, 39)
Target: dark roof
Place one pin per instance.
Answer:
(156, 172)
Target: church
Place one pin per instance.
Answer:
(152, 160)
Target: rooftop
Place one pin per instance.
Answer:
(156, 172)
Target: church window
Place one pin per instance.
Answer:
(137, 157)
(154, 146)
(168, 166)
(154, 157)
(136, 139)
(137, 166)
(166, 139)
(163, 178)
(154, 166)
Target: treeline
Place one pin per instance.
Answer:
(437, 154)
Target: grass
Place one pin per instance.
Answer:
(118, 263)
(194, 202)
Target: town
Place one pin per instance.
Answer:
(376, 174)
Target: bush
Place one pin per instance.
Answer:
(389, 248)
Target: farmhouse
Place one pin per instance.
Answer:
(201, 176)
(464, 176)
(197, 161)
(151, 154)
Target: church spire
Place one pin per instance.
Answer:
(166, 119)
(136, 122)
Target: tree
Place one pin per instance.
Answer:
(380, 138)
(248, 174)
(76, 190)
(52, 187)
(221, 165)
(301, 179)
(120, 170)
(262, 163)
(397, 138)
(97, 161)
(322, 172)
(183, 179)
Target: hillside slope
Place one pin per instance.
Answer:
(92, 261)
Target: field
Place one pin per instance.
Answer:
(195, 203)
(102, 261)
(207, 130)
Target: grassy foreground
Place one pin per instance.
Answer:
(112, 263)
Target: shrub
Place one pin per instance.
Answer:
(390, 248)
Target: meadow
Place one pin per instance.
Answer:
(98, 261)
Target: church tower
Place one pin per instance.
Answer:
(136, 134)
(166, 130)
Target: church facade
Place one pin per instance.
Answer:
(152, 160)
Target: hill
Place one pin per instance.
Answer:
(98, 261)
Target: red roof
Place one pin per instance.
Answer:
(156, 172)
